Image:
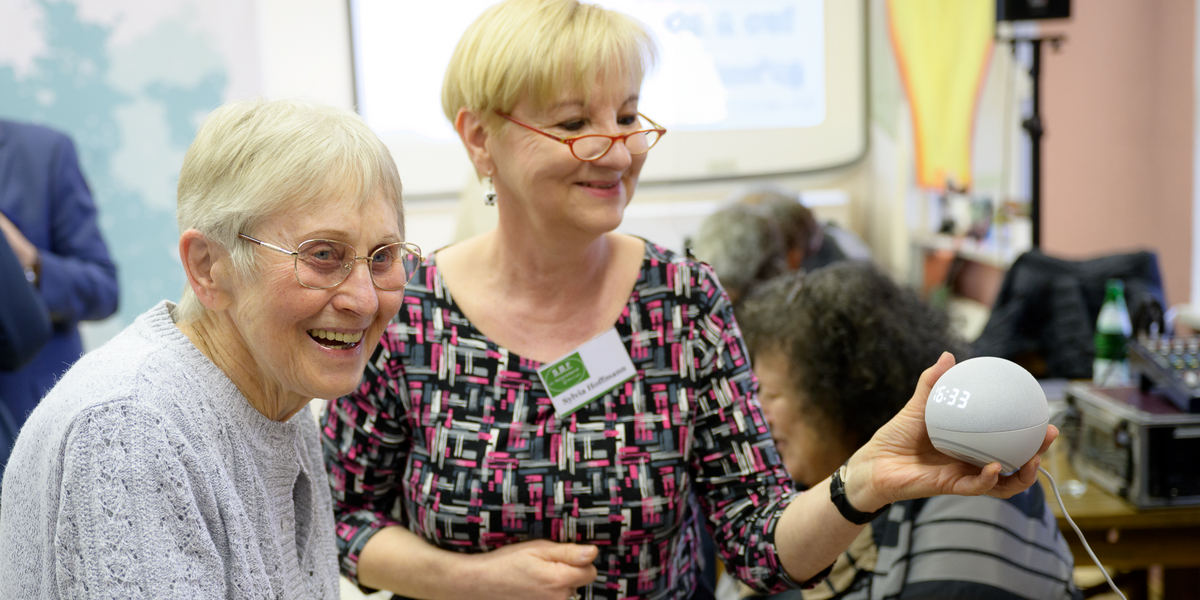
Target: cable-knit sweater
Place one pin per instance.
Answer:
(145, 473)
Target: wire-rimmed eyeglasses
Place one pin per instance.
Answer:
(595, 145)
(322, 264)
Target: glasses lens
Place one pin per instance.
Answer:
(640, 142)
(648, 139)
(323, 263)
(591, 147)
(392, 266)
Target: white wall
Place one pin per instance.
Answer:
(304, 46)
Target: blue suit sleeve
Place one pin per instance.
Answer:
(24, 324)
(78, 279)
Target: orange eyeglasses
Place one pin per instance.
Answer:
(594, 146)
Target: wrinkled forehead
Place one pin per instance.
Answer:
(616, 84)
(335, 209)
(778, 375)
(770, 365)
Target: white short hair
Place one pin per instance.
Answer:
(254, 159)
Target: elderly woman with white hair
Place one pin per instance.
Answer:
(177, 460)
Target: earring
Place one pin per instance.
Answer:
(489, 193)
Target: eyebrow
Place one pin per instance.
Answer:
(565, 103)
(338, 235)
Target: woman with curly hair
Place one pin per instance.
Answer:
(836, 352)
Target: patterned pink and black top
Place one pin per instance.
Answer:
(456, 439)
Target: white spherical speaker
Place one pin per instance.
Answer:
(986, 410)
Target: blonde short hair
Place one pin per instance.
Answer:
(254, 159)
(537, 49)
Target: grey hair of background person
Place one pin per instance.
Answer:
(253, 159)
(797, 224)
(743, 245)
(856, 343)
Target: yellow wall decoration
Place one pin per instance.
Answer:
(943, 48)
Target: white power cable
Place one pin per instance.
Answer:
(1058, 496)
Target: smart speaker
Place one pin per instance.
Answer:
(986, 410)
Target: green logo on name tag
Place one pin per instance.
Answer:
(564, 374)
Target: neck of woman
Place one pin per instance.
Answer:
(553, 267)
(220, 342)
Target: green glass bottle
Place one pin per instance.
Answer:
(1113, 327)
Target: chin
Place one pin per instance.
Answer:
(330, 389)
(600, 226)
(612, 218)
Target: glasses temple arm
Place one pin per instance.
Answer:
(652, 122)
(269, 245)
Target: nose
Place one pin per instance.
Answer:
(618, 157)
(358, 293)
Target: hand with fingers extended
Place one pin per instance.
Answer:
(535, 570)
(900, 462)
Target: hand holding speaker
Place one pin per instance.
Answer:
(979, 427)
(987, 410)
(999, 425)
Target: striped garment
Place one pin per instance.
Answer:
(948, 547)
(456, 439)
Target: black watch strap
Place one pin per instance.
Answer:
(837, 493)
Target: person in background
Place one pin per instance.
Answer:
(178, 460)
(810, 244)
(24, 329)
(836, 351)
(24, 322)
(743, 245)
(459, 473)
(48, 218)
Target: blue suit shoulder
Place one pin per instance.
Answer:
(36, 139)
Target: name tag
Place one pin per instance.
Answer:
(587, 373)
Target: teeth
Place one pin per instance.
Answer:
(334, 336)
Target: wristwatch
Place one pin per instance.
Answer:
(837, 493)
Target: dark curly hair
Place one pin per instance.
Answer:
(856, 342)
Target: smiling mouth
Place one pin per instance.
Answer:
(600, 186)
(335, 340)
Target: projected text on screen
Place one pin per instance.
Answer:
(724, 64)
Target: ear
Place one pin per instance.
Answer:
(474, 137)
(205, 267)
